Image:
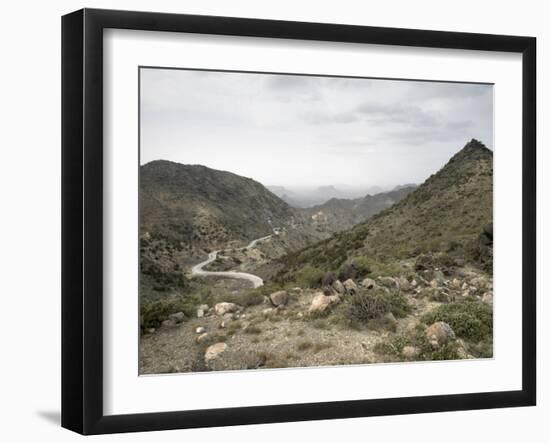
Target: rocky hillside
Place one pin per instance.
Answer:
(201, 207)
(450, 213)
(342, 214)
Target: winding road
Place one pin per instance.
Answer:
(254, 279)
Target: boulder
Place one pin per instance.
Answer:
(409, 352)
(214, 352)
(368, 283)
(439, 334)
(387, 282)
(200, 330)
(202, 337)
(279, 298)
(226, 308)
(455, 283)
(338, 287)
(236, 359)
(201, 310)
(169, 323)
(404, 284)
(267, 312)
(439, 295)
(488, 297)
(350, 286)
(322, 302)
(178, 317)
(462, 350)
(439, 277)
(390, 321)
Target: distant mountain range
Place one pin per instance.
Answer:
(308, 197)
(339, 214)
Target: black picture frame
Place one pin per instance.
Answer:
(82, 218)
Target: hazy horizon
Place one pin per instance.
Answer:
(304, 132)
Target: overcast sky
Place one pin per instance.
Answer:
(296, 131)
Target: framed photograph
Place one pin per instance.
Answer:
(268, 221)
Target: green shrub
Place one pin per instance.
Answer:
(393, 347)
(153, 313)
(472, 320)
(250, 297)
(309, 277)
(373, 304)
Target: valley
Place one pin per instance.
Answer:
(233, 277)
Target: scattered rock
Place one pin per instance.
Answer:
(439, 277)
(404, 284)
(226, 307)
(350, 286)
(479, 282)
(322, 302)
(409, 352)
(488, 297)
(202, 337)
(462, 350)
(387, 282)
(200, 330)
(150, 330)
(201, 310)
(338, 287)
(439, 295)
(439, 334)
(455, 283)
(368, 283)
(235, 360)
(178, 317)
(390, 321)
(279, 298)
(169, 323)
(267, 312)
(214, 352)
(414, 283)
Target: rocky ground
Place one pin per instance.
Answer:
(351, 322)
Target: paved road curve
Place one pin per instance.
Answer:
(254, 279)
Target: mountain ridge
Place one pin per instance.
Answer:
(447, 213)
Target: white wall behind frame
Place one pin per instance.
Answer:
(30, 184)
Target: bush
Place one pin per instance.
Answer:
(366, 306)
(393, 347)
(153, 313)
(244, 298)
(328, 279)
(472, 320)
(309, 277)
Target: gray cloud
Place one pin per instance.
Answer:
(304, 130)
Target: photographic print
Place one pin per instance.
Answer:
(291, 221)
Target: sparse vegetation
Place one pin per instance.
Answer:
(472, 320)
(369, 305)
(435, 244)
(304, 345)
(393, 347)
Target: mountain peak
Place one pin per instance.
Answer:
(474, 150)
